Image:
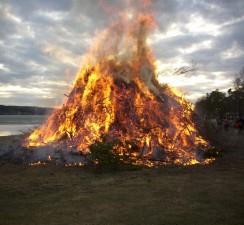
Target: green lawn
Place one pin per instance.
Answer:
(208, 195)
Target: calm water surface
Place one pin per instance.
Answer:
(17, 124)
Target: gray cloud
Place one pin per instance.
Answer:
(41, 42)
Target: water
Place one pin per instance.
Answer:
(18, 124)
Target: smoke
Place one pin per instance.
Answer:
(121, 46)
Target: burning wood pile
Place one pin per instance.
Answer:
(116, 96)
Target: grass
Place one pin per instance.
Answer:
(51, 195)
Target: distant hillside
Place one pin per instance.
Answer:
(23, 110)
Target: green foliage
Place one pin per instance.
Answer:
(104, 157)
(213, 104)
(212, 152)
(217, 104)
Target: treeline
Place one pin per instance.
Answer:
(23, 110)
(221, 105)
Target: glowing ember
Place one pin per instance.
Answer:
(116, 96)
(38, 163)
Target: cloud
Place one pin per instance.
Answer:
(42, 41)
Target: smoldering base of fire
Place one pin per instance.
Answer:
(14, 152)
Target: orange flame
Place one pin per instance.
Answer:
(116, 95)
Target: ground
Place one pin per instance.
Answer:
(212, 194)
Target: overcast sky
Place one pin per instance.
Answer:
(42, 41)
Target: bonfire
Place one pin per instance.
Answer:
(116, 96)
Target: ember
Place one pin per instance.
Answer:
(116, 96)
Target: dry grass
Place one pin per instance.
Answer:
(197, 195)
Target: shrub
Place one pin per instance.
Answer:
(212, 152)
(103, 156)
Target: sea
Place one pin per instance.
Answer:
(19, 124)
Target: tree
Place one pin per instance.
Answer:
(212, 105)
(239, 81)
(238, 95)
(217, 104)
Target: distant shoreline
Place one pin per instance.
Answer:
(24, 110)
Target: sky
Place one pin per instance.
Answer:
(42, 43)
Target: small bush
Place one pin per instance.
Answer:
(103, 156)
(212, 152)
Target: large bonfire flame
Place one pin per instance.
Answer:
(116, 96)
